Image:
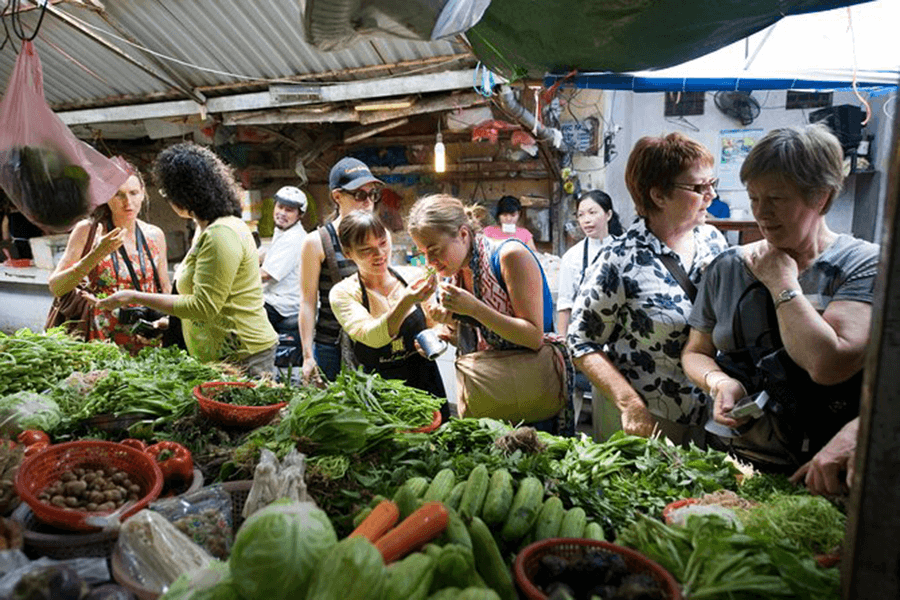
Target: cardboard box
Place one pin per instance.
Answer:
(48, 249)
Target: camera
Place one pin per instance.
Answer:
(129, 315)
(750, 406)
(141, 320)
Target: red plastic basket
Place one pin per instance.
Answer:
(528, 562)
(435, 423)
(230, 415)
(42, 469)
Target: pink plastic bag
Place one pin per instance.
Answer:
(54, 178)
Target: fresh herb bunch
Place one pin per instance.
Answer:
(261, 395)
(37, 361)
(810, 523)
(711, 560)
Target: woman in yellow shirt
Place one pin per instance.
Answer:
(220, 299)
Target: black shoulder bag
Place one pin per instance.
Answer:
(801, 415)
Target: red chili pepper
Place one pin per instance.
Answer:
(36, 447)
(174, 460)
(135, 443)
(31, 436)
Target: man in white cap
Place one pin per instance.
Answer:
(280, 269)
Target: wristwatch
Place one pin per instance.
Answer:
(786, 296)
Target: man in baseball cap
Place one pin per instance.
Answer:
(280, 269)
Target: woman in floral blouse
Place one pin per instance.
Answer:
(629, 320)
(119, 232)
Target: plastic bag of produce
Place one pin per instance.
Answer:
(54, 178)
(155, 553)
(28, 410)
(204, 516)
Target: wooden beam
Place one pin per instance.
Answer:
(413, 84)
(287, 115)
(440, 104)
(871, 555)
(360, 133)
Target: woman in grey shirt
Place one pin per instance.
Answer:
(793, 308)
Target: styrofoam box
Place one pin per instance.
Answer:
(48, 249)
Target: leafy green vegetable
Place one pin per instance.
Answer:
(278, 548)
(711, 561)
(212, 582)
(352, 570)
(811, 523)
(28, 410)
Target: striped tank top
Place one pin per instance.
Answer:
(328, 330)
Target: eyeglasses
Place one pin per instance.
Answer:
(362, 195)
(699, 188)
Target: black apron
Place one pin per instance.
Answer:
(399, 359)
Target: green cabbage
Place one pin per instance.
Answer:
(28, 410)
(212, 582)
(352, 570)
(278, 548)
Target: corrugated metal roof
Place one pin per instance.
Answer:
(224, 46)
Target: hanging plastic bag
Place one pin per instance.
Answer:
(54, 178)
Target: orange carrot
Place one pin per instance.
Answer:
(416, 530)
(380, 520)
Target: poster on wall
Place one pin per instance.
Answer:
(734, 145)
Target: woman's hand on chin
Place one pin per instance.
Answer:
(774, 267)
(117, 300)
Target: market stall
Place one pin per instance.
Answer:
(381, 501)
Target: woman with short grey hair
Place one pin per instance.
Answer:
(787, 315)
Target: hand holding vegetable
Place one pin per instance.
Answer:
(457, 300)
(117, 300)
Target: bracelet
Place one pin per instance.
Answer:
(706, 379)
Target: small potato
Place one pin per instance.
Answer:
(91, 506)
(79, 472)
(58, 500)
(106, 506)
(71, 501)
(134, 497)
(89, 477)
(113, 495)
(97, 497)
(119, 503)
(134, 489)
(75, 488)
(126, 483)
(118, 477)
(67, 476)
(100, 473)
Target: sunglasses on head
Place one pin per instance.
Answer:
(362, 195)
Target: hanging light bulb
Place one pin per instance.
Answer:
(440, 153)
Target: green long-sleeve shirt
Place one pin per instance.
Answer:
(221, 301)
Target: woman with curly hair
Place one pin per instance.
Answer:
(220, 297)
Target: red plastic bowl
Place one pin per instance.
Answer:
(40, 470)
(230, 415)
(528, 561)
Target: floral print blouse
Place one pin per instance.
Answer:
(634, 310)
(105, 279)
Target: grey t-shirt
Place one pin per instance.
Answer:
(844, 271)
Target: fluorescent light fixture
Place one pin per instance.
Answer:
(440, 155)
(387, 104)
(294, 93)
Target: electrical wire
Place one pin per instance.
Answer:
(19, 27)
(855, 90)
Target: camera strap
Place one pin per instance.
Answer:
(141, 243)
(678, 272)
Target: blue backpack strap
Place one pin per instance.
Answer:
(548, 298)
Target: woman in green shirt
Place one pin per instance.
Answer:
(219, 299)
